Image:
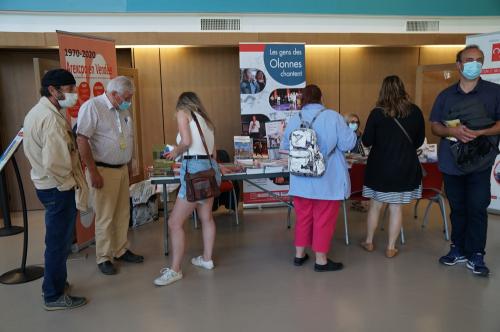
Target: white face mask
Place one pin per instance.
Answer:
(69, 100)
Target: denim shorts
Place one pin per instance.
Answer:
(194, 166)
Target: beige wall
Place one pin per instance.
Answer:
(349, 77)
(212, 73)
(363, 69)
(18, 94)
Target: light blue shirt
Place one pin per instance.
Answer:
(333, 133)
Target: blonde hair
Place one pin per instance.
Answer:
(190, 102)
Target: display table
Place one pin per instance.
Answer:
(165, 180)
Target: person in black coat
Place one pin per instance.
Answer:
(393, 173)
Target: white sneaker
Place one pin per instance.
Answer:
(200, 262)
(167, 277)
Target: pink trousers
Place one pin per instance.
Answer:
(315, 223)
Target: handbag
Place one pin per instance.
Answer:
(480, 153)
(476, 155)
(201, 185)
(424, 172)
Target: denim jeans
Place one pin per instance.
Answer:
(469, 196)
(60, 219)
(194, 166)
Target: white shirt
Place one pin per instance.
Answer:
(110, 131)
(196, 147)
(254, 126)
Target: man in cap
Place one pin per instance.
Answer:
(105, 140)
(58, 178)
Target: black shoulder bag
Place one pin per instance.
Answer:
(424, 172)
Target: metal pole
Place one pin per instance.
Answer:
(165, 220)
(8, 229)
(25, 273)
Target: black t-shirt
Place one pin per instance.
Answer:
(393, 164)
(485, 93)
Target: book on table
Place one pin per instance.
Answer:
(230, 168)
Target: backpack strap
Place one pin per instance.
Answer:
(316, 116)
(305, 124)
(313, 120)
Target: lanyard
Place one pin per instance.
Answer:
(118, 122)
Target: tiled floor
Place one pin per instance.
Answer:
(256, 288)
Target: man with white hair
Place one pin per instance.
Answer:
(105, 141)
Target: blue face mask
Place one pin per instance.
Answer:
(353, 126)
(472, 70)
(125, 105)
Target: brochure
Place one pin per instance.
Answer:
(243, 147)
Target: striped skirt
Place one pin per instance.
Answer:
(403, 197)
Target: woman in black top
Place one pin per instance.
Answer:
(393, 174)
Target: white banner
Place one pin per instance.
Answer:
(490, 45)
(11, 149)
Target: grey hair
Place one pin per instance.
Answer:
(120, 84)
(349, 116)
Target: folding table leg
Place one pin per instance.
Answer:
(195, 220)
(346, 227)
(403, 240)
(442, 207)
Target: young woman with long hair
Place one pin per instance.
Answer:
(194, 159)
(393, 173)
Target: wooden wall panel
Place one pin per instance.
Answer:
(322, 69)
(147, 62)
(213, 73)
(436, 72)
(438, 55)
(363, 69)
(18, 94)
(49, 39)
(431, 80)
(350, 78)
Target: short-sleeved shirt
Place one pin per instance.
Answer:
(254, 126)
(485, 92)
(107, 129)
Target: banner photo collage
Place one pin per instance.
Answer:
(271, 78)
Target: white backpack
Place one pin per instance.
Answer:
(305, 159)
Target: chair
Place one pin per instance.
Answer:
(432, 185)
(357, 176)
(227, 191)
